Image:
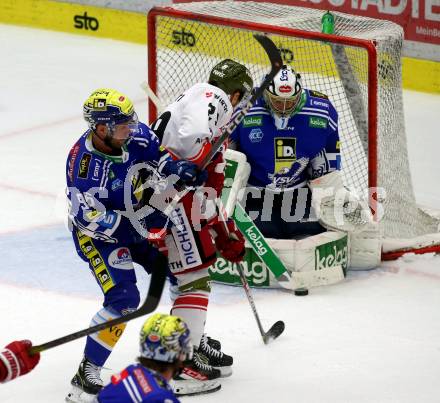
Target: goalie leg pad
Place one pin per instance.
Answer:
(316, 260)
(238, 174)
(366, 248)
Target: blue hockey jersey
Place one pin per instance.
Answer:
(307, 148)
(137, 384)
(98, 186)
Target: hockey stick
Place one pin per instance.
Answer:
(249, 230)
(277, 328)
(276, 63)
(151, 302)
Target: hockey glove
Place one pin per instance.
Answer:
(229, 241)
(187, 171)
(16, 360)
(216, 175)
(156, 237)
(336, 207)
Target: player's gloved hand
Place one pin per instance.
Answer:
(17, 360)
(229, 241)
(156, 237)
(216, 174)
(188, 172)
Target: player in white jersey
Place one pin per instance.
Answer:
(187, 129)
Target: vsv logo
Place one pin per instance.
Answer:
(184, 38)
(284, 76)
(86, 22)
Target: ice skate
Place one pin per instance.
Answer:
(216, 358)
(86, 383)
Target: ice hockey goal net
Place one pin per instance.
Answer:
(358, 68)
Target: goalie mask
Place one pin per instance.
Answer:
(165, 338)
(283, 94)
(231, 76)
(111, 108)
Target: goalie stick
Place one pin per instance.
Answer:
(151, 302)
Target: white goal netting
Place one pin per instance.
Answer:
(363, 82)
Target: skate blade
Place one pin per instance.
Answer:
(194, 387)
(224, 371)
(77, 395)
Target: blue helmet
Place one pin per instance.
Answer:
(109, 107)
(165, 338)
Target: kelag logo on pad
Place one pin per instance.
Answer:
(332, 254)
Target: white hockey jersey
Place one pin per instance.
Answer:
(188, 126)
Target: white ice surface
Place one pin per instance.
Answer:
(373, 338)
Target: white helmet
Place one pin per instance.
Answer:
(284, 92)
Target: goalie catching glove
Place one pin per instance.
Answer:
(229, 241)
(336, 207)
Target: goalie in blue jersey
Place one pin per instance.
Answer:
(290, 137)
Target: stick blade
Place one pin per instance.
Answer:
(272, 51)
(276, 329)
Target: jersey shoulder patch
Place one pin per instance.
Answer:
(317, 94)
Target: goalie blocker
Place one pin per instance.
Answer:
(314, 261)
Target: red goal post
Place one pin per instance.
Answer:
(186, 40)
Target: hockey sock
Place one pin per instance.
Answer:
(192, 307)
(100, 345)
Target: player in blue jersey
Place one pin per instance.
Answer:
(164, 346)
(290, 136)
(104, 192)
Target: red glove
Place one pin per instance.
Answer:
(216, 174)
(16, 361)
(230, 241)
(156, 237)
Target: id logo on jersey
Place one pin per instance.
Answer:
(285, 153)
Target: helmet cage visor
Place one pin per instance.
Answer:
(284, 92)
(132, 122)
(280, 105)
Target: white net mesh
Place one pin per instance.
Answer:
(186, 50)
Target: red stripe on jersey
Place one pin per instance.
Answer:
(197, 159)
(115, 379)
